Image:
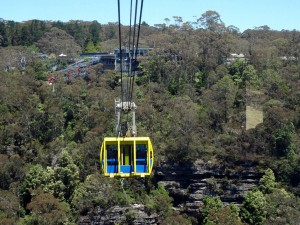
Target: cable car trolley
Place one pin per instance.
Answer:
(126, 154)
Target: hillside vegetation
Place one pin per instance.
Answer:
(191, 103)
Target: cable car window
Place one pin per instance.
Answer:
(141, 154)
(112, 154)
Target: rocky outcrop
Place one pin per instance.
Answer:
(189, 183)
(134, 214)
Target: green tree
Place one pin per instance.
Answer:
(10, 208)
(282, 208)
(64, 176)
(211, 20)
(198, 80)
(220, 100)
(11, 168)
(283, 139)
(236, 70)
(267, 183)
(251, 77)
(46, 209)
(90, 48)
(176, 219)
(222, 216)
(211, 79)
(211, 203)
(253, 210)
(36, 177)
(96, 190)
(159, 201)
(274, 84)
(183, 117)
(60, 180)
(109, 31)
(95, 30)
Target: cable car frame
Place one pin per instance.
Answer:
(126, 156)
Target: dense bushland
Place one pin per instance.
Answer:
(191, 102)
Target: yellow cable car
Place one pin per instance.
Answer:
(127, 156)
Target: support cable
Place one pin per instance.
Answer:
(133, 57)
(120, 46)
(121, 69)
(133, 40)
(137, 43)
(129, 53)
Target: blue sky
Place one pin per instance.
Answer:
(244, 14)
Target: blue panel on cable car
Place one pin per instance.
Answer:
(112, 166)
(112, 169)
(141, 168)
(126, 169)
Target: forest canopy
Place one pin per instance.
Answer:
(192, 92)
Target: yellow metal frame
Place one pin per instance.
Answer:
(126, 140)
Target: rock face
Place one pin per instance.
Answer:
(134, 214)
(188, 184)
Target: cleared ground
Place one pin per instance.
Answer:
(253, 117)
